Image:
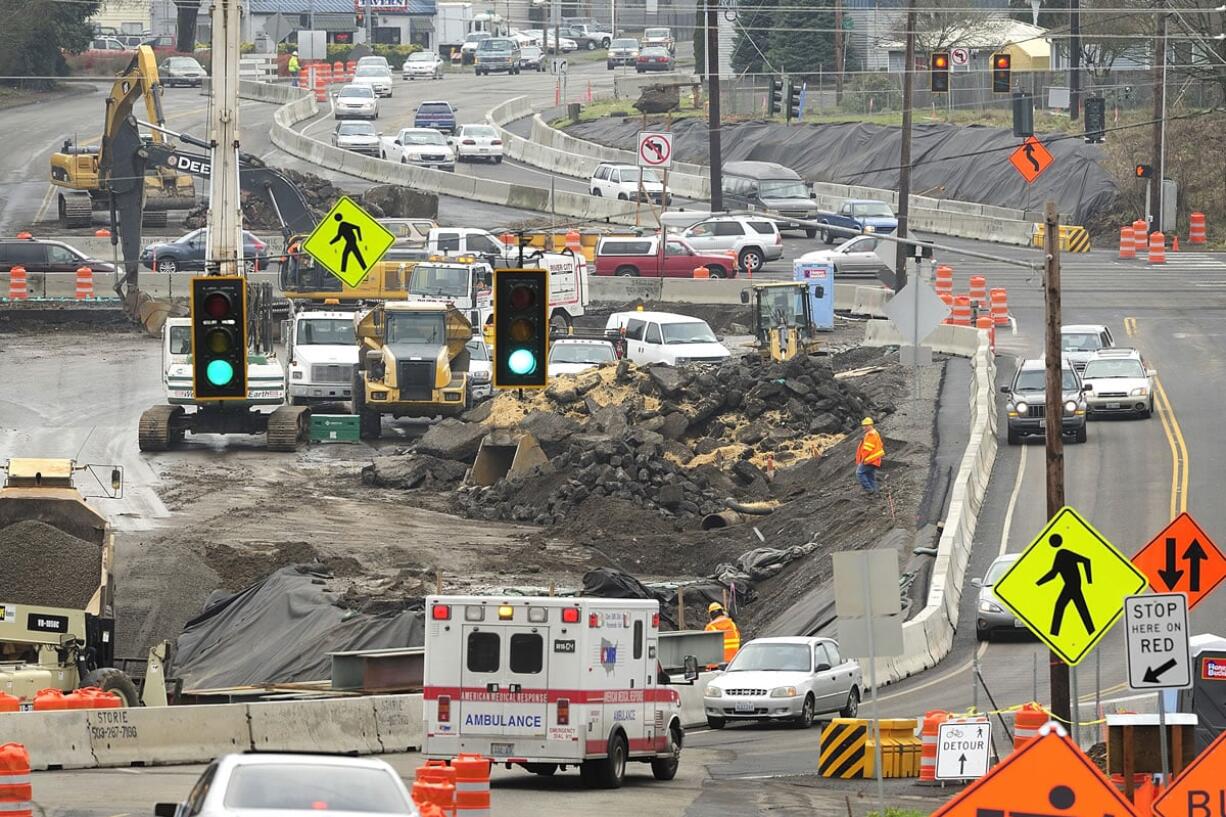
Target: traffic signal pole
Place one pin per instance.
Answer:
(904, 172)
(224, 250)
(1074, 62)
(1159, 160)
(716, 159)
(1061, 706)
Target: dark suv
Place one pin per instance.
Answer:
(1027, 405)
(46, 256)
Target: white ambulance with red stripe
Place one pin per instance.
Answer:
(546, 683)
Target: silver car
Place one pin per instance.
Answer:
(360, 137)
(990, 615)
(784, 679)
(1079, 342)
(294, 785)
(1117, 381)
(856, 257)
(378, 77)
(754, 240)
(356, 102)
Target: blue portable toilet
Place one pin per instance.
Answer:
(820, 275)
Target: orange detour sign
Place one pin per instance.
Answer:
(1182, 559)
(1031, 159)
(1048, 777)
(1201, 790)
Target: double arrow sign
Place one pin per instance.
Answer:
(1193, 554)
(1182, 559)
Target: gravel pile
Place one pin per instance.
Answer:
(46, 566)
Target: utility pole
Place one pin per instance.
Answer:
(716, 159)
(904, 172)
(1061, 706)
(1159, 160)
(838, 53)
(1074, 60)
(223, 253)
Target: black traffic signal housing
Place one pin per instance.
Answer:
(794, 91)
(219, 337)
(1144, 171)
(521, 328)
(1002, 64)
(939, 74)
(776, 96)
(1023, 114)
(1096, 119)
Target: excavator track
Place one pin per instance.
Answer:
(154, 218)
(287, 428)
(76, 211)
(157, 430)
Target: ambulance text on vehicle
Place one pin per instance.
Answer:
(550, 682)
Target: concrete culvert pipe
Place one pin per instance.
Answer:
(723, 519)
(751, 508)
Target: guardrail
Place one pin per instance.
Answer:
(928, 637)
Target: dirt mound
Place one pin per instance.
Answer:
(44, 565)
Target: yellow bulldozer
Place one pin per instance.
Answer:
(81, 171)
(782, 319)
(412, 362)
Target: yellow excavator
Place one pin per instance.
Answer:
(87, 175)
(782, 319)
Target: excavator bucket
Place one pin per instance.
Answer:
(504, 454)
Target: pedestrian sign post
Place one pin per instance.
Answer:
(963, 749)
(1156, 632)
(1048, 777)
(1182, 559)
(348, 242)
(1069, 586)
(1031, 159)
(1201, 790)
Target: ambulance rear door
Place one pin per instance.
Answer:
(504, 679)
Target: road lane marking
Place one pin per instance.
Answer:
(1130, 327)
(42, 210)
(1179, 495)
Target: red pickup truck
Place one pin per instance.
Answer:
(631, 256)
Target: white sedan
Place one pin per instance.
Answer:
(378, 77)
(789, 679)
(477, 142)
(424, 147)
(574, 355)
(294, 785)
(355, 102)
(858, 256)
(423, 65)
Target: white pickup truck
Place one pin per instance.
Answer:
(424, 147)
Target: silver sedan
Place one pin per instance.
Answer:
(991, 616)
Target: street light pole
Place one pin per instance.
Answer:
(1155, 195)
(713, 115)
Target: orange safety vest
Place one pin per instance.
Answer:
(732, 636)
(871, 450)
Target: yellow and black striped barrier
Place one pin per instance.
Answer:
(900, 749)
(1072, 238)
(844, 751)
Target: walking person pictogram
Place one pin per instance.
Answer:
(351, 234)
(1067, 566)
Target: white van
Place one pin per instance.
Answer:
(664, 337)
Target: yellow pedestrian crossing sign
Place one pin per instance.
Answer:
(348, 242)
(1069, 586)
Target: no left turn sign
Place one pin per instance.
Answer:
(655, 149)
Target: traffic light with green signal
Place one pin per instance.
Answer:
(777, 101)
(521, 328)
(940, 73)
(219, 337)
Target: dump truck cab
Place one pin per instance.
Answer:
(412, 362)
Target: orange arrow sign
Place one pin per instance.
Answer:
(1182, 559)
(1201, 789)
(1048, 777)
(1031, 159)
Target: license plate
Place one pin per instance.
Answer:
(1042, 424)
(502, 749)
(744, 707)
(1113, 405)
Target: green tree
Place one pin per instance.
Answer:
(803, 41)
(36, 33)
(753, 37)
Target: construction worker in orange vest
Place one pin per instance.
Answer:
(869, 455)
(720, 620)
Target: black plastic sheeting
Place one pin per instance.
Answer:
(281, 630)
(948, 161)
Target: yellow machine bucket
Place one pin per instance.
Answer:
(504, 454)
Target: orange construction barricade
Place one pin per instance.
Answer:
(338, 71)
(574, 241)
(442, 776)
(350, 68)
(998, 306)
(472, 785)
(928, 744)
(1026, 724)
(1157, 248)
(979, 291)
(944, 280)
(1196, 228)
(19, 284)
(85, 283)
(961, 315)
(9, 703)
(49, 700)
(985, 322)
(1140, 235)
(16, 797)
(1128, 242)
(702, 272)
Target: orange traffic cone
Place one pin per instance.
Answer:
(1175, 244)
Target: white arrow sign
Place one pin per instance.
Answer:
(964, 749)
(1156, 632)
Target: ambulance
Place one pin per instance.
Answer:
(547, 683)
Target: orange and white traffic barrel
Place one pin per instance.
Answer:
(702, 272)
(961, 315)
(1140, 233)
(944, 284)
(1196, 228)
(472, 785)
(998, 305)
(928, 744)
(979, 291)
(16, 796)
(1026, 724)
(19, 284)
(1128, 242)
(985, 322)
(85, 284)
(1157, 248)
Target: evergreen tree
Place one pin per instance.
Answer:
(36, 32)
(803, 40)
(753, 39)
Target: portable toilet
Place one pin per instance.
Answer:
(1207, 697)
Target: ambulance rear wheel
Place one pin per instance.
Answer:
(665, 766)
(543, 769)
(609, 772)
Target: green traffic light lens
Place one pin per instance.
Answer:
(219, 372)
(522, 362)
